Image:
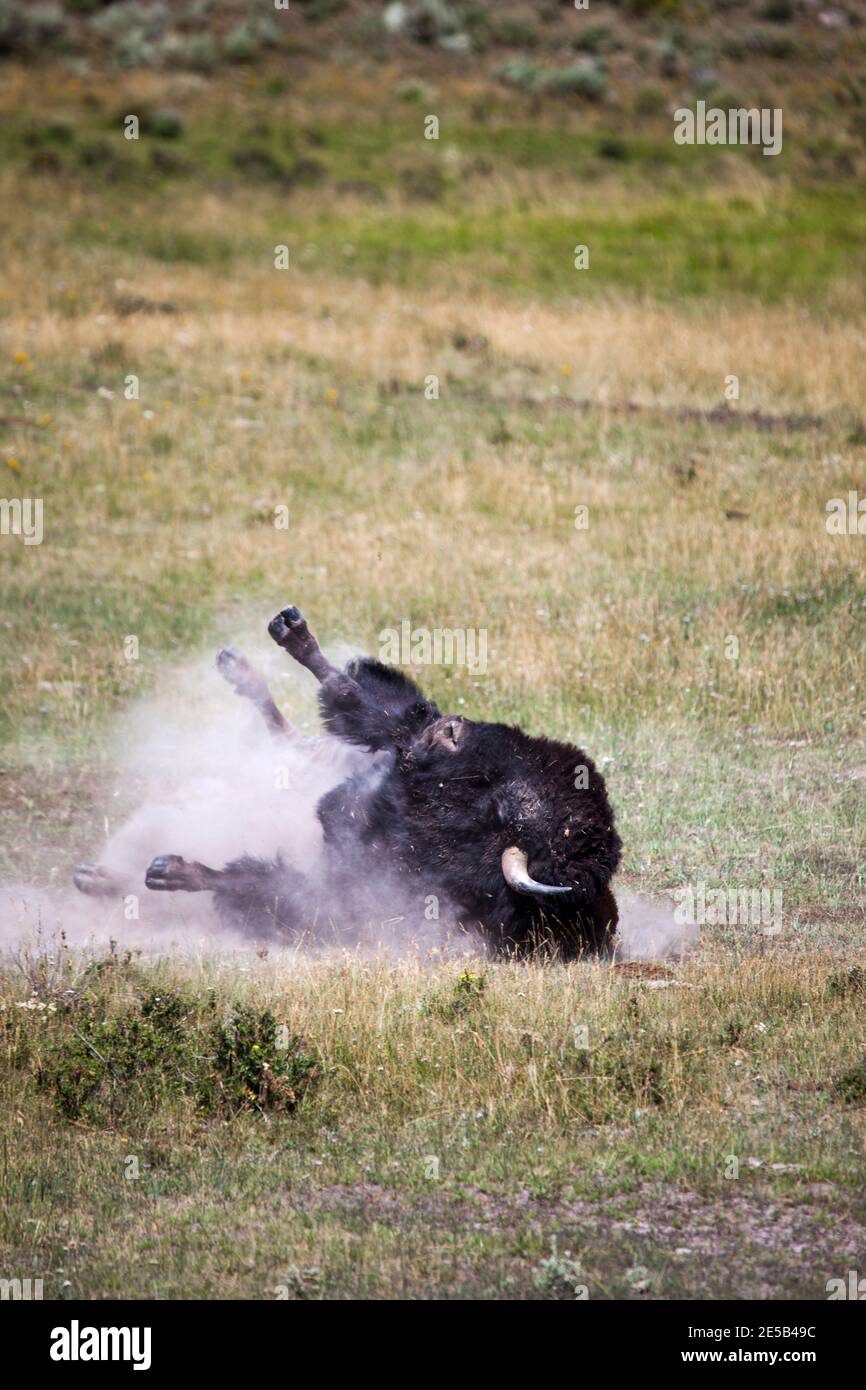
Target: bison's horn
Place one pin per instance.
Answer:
(517, 875)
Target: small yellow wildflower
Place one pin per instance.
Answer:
(14, 465)
(331, 395)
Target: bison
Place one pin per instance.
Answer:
(514, 833)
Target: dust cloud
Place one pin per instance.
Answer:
(210, 783)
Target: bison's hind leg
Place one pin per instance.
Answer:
(263, 898)
(96, 881)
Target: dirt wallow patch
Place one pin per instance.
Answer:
(716, 415)
(722, 414)
(654, 1242)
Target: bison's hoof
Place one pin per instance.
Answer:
(289, 629)
(170, 873)
(95, 881)
(243, 677)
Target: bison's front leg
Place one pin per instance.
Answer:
(289, 630)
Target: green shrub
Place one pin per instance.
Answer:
(520, 72)
(558, 1275)
(847, 982)
(649, 101)
(241, 44)
(578, 80)
(255, 1064)
(26, 29)
(257, 162)
(465, 996)
(589, 82)
(613, 147)
(425, 184)
(642, 8)
(414, 91)
(513, 32)
(851, 1085)
(667, 56)
(52, 132)
(317, 10)
(165, 124)
(196, 52)
(107, 1068)
(778, 11)
(116, 21)
(593, 38)
(640, 1068)
(765, 41)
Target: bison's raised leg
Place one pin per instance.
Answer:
(368, 704)
(245, 680)
(289, 630)
(97, 882)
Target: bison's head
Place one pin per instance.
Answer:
(499, 814)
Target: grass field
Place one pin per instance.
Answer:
(703, 635)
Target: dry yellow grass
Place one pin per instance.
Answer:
(262, 398)
(610, 352)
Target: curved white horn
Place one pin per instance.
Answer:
(517, 875)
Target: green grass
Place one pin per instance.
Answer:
(440, 1151)
(685, 247)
